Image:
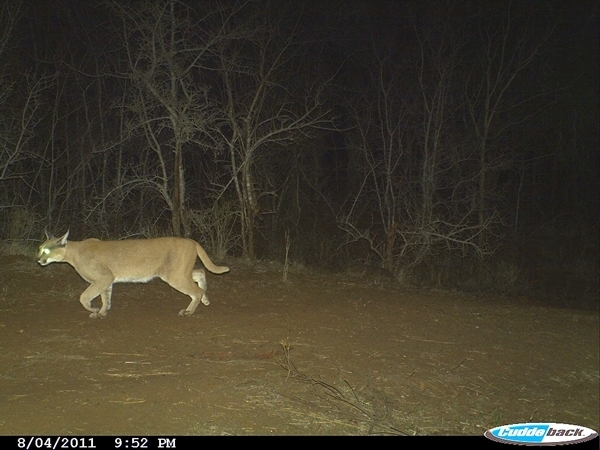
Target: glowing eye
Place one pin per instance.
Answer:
(45, 251)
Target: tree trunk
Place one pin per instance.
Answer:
(176, 210)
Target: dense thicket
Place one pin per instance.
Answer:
(452, 143)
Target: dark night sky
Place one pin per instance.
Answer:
(564, 73)
(398, 148)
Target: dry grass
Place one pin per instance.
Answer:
(343, 404)
(361, 360)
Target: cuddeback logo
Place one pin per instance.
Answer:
(540, 434)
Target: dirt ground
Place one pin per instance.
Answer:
(320, 354)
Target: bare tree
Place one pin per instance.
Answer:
(19, 99)
(506, 49)
(445, 215)
(17, 130)
(416, 195)
(21, 110)
(166, 45)
(268, 107)
(380, 114)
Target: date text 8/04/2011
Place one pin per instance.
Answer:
(97, 442)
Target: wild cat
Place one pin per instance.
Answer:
(103, 263)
